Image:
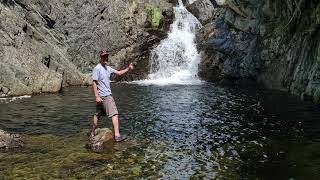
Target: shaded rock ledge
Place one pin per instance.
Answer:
(274, 43)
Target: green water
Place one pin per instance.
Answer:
(175, 132)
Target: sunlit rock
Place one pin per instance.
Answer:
(47, 45)
(221, 2)
(10, 141)
(202, 10)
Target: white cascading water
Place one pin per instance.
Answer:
(191, 1)
(176, 59)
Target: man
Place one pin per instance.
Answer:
(105, 104)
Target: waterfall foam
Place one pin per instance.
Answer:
(175, 60)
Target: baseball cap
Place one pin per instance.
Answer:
(104, 53)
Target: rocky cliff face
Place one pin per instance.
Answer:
(276, 43)
(46, 45)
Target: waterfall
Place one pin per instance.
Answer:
(175, 60)
(191, 1)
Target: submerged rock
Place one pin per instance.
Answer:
(10, 141)
(102, 135)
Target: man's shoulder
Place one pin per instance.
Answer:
(97, 67)
(110, 69)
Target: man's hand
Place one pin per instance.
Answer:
(121, 72)
(130, 66)
(98, 100)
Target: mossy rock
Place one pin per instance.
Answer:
(155, 15)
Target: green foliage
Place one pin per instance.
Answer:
(131, 2)
(66, 3)
(155, 14)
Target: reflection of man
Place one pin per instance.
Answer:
(104, 101)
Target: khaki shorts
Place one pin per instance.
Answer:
(107, 107)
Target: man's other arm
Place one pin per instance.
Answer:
(95, 91)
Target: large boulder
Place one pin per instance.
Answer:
(202, 9)
(10, 141)
(96, 142)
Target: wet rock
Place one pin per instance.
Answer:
(202, 9)
(223, 52)
(5, 90)
(102, 135)
(185, 2)
(10, 141)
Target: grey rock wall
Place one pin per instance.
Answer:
(275, 43)
(45, 45)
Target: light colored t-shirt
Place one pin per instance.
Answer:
(102, 75)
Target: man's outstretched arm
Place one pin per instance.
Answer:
(121, 72)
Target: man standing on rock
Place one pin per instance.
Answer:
(105, 104)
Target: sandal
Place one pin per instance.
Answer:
(119, 138)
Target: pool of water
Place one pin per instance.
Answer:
(175, 132)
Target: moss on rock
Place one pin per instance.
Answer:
(155, 15)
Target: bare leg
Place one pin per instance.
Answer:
(115, 122)
(94, 124)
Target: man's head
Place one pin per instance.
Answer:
(104, 56)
